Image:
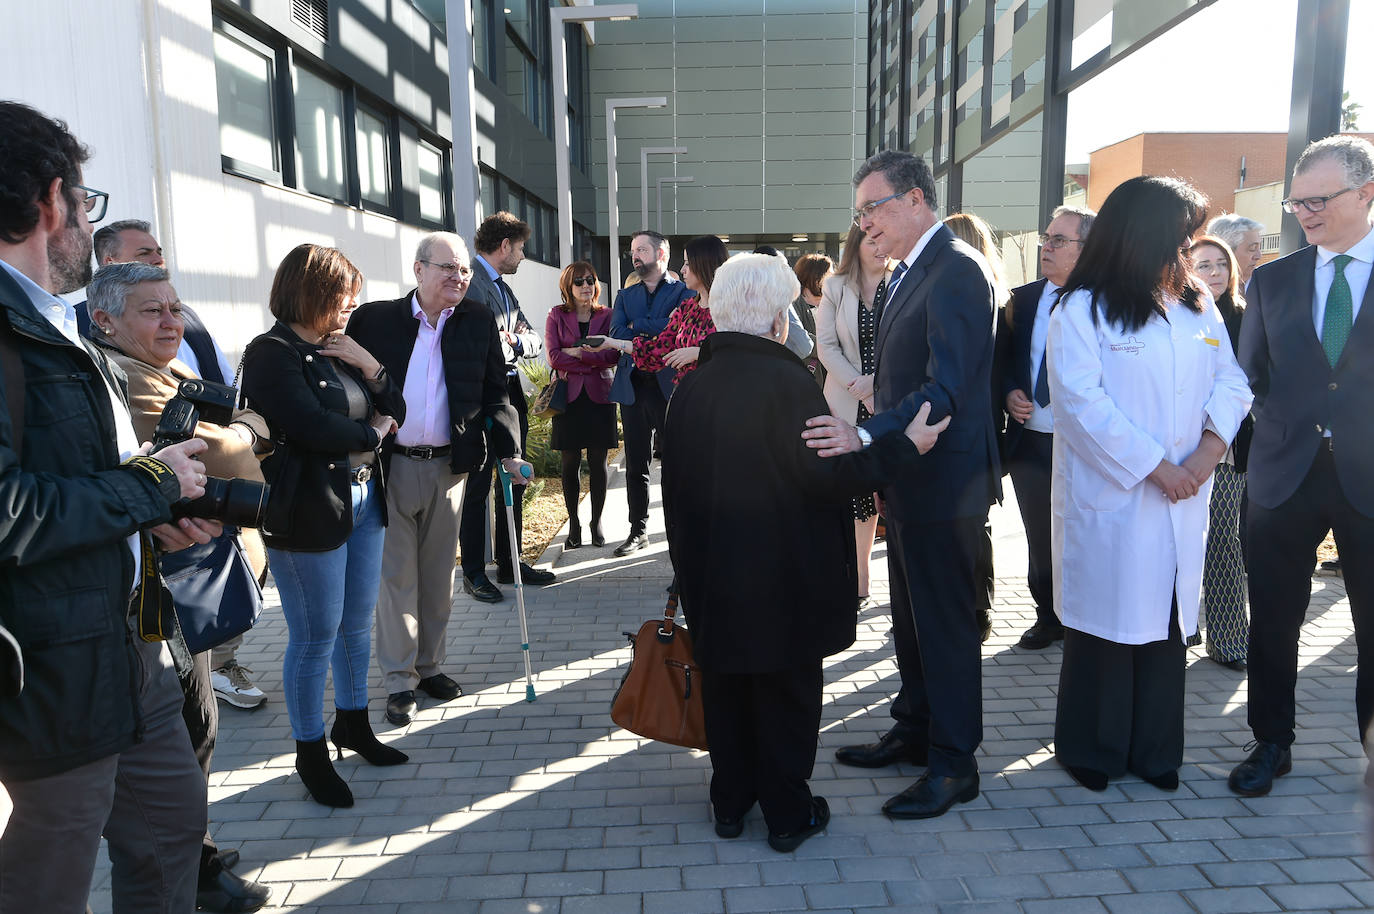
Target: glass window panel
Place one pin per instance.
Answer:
(481, 36)
(518, 18)
(319, 135)
(247, 115)
(487, 183)
(515, 73)
(374, 158)
(431, 162)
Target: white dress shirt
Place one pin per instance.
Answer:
(910, 259)
(1041, 417)
(426, 395)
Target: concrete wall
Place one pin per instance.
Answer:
(768, 98)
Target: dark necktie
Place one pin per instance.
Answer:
(1339, 312)
(897, 273)
(1042, 383)
(506, 298)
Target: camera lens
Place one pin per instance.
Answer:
(236, 501)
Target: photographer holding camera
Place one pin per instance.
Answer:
(136, 316)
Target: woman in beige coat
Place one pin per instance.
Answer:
(846, 328)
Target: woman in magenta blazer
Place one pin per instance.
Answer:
(589, 421)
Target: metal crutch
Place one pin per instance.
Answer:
(507, 494)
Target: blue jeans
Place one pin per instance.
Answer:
(328, 599)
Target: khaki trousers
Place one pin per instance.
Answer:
(424, 500)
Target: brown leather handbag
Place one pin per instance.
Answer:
(660, 696)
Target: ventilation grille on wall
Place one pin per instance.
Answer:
(313, 16)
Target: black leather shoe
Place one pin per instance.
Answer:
(931, 796)
(1041, 635)
(1166, 781)
(441, 687)
(400, 707)
(532, 576)
(790, 841)
(227, 858)
(889, 750)
(481, 588)
(633, 543)
(230, 893)
(574, 540)
(1090, 778)
(1238, 665)
(598, 538)
(729, 828)
(1254, 777)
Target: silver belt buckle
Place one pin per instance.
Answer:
(362, 474)
(423, 452)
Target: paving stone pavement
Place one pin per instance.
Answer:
(548, 808)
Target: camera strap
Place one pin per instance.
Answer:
(151, 607)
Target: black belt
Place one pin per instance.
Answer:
(423, 451)
(360, 473)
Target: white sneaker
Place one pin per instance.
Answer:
(231, 685)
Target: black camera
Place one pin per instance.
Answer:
(241, 502)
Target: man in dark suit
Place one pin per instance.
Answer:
(1029, 442)
(500, 243)
(642, 309)
(1307, 345)
(445, 353)
(934, 345)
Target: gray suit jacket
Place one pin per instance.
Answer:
(1298, 395)
(511, 320)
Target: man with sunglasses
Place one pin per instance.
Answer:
(1025, 395)
(95, 743)
(1307, 345)
(444, 350)
(500, 244)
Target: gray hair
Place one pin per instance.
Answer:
(1354, 154)
(112, 283)
(902, 170)
(1231, 228)
(750, 291)
(106, 241)
(1085, 218)
(460, 247)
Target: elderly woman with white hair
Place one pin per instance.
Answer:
(764, 606)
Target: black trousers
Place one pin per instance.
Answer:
(472, 526)
(1121, 705)
(201, 713)
(762, 728)
(933, 569)
(1281, 553)
(639, 422)
(1031, 465)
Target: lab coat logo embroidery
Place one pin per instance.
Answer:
(1132, 346)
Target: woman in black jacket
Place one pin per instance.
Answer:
(329, 404)
(764, 605)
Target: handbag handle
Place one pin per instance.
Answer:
(665, 631)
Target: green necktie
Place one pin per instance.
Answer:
(1339, 312)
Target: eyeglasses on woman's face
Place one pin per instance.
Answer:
(584, 281)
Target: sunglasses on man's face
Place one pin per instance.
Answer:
(584, 281)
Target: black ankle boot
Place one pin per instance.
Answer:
(598, 539)
(352, 730)
(319, 776)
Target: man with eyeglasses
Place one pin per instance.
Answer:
(95, 742)
(1307, 345)
(444, 350)
(934, 345)
(1029, 442)
(500, 243)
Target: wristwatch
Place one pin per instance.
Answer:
(865, 439)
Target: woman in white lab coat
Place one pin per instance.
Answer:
(1146, 396)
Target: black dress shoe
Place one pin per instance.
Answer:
(1041, 635)
(227, 858)
(1090, 778)
(931, 796)
(481, 588)
(400, 707)
(1254, 777)
(790, 841)
(633, 543)
(224, 891)
(574, 540)
(598, 538)
(729, 828)
(889, 750)
(532, 576)
(1238, 665)
(441, 687)
(1166, 781)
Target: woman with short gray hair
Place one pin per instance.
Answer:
(764, 606)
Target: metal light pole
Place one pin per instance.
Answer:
(612, 210)
(644, 153)
(558, 16)
(678, 179)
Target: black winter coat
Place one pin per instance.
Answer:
(759, 525)
(474, 374)
(65, 566)
(298, 392)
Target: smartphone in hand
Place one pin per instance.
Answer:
(591, 341)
